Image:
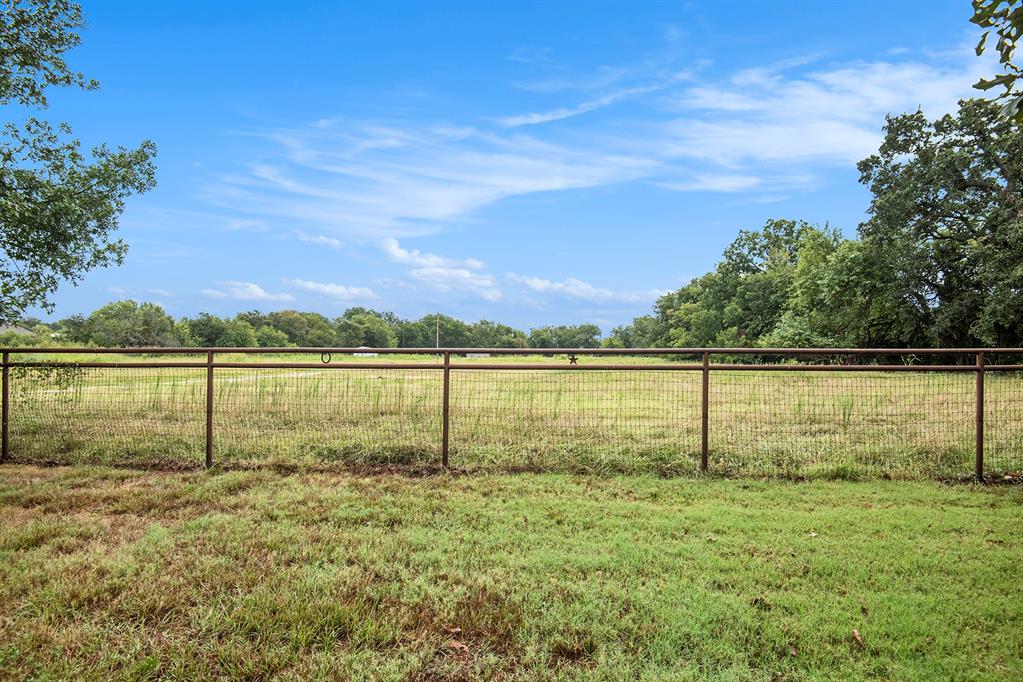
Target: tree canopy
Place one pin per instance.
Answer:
(59, 204)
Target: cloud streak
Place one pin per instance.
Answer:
(338, 292)
(319, 240)
(392, 248)
(375, 182)
(458, 280)
(585, 107)
(576, 288)
(244, 291)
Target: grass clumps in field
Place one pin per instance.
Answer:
(109, 573)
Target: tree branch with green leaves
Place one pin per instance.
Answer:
(1005, 18)
(59, 204)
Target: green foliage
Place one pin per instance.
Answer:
(127, 324)
(318, 331)
(238, 334)
(435, 330)
(205, 329)
(183, 334)
(946, 219)
(303, 329)
(58, 204)
(487, 334)
(74, 329)
(365, 329)
(1005, 17)
(268, 337)
(743, 299)
(565, 336)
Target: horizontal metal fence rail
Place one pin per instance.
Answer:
(446, 363)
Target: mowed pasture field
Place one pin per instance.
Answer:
(787, 423)
(255, 574)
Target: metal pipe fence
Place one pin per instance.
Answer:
(931, 412)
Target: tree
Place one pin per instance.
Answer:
(423, 332)
(237, 334)
(183, 334)
(744, 298)
(487, 334)
(129, 324)
(947, 218)
(253, 317)
(206, 329)
(58, 205)
(291, 322)
(268, 337)
(565, 336)
(364, 329)
(845, 293)
(644, 332)
(1006, 18)
(319, 331)
(74, 329)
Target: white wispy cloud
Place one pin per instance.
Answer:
(374, 181)
(319, 239)
(576, 288)
(331, 290)
(458, 280)
(243, 291)
(761, 132)
(417, 258)
(714, 183)
(162, 293)
(823, 116)
(568, 112)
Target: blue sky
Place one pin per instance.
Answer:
(528, 163)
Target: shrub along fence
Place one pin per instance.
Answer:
(934, 412)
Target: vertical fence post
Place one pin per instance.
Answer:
(5, 451)
(979, 463)
(705, 412)
(209, 409)
(447, 392)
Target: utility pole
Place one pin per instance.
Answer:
(437, 341)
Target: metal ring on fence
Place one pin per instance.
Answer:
(325, 358)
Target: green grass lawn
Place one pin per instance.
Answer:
(108, 573)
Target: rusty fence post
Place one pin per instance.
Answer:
(979, 454)
(705, 412)
(5, 452)
(209, 409)
(447, 396)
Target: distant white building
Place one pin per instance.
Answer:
(368, 355)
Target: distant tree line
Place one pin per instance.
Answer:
(131, 324)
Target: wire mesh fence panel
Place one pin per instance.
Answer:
(344, 416)
(842, 424)
(139, 416)
(592, 420)
(541, 416)
(1003, 422)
